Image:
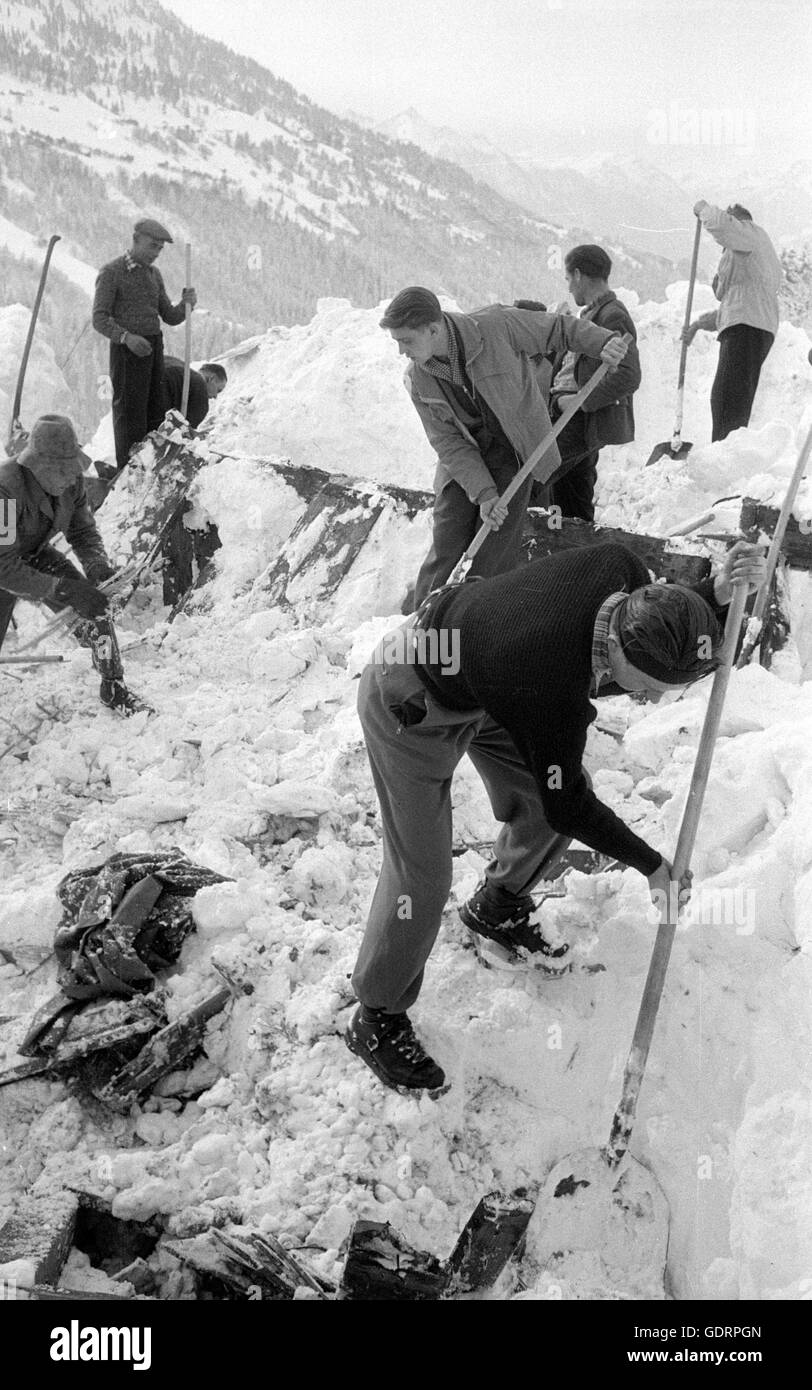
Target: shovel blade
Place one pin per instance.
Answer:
(601, 1232)
(666, 449)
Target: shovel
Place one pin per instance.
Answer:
(601, 1212)
(675, 447)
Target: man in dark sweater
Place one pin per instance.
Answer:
(607, 416)
(204, 386)
(128, 307)
(509, 680)
(478, 382)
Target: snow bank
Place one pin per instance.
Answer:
(45, 388)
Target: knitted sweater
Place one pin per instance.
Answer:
(525, 645)
(131, 298)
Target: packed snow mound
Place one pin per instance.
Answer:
(330, 394)
(45, 390)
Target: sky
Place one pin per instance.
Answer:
(602, 76)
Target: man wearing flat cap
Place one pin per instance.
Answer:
(128, 307)
(42, 495)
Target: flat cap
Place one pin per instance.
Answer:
(149, 227)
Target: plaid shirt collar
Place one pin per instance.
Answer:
(453, 369)
(131, 264)
(601, 665)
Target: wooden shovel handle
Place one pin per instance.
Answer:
(647, 1017)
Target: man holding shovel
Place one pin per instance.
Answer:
(475, 380)
(746, 285)
(530, 649)
(128, 307)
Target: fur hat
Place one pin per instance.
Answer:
(53, 440)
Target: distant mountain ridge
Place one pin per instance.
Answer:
(629, 199)
(109, 111)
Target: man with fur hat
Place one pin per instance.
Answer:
(42, 494)
(128, 307)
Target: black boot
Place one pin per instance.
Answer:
(505, 918)
(115, 695)
(388, 1045)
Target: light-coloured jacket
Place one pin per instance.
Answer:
(505, 351)
(749, 273)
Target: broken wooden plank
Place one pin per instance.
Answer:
(186, 552)
(40, 1230)
(202, 1255)
(547, 533)
(329, 535)
(491, 1237)
(796, 547)
(381, 1265)
(45, 1294)
(162, 1054)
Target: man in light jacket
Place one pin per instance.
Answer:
(475, 381)
(746, 285)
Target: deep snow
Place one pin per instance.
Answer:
(254, 765)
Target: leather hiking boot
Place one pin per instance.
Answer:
(115, 695)
(390, 1048)
(505, 918)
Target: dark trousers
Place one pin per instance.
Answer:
(456, 522)
(412, 768)
(98, 634)
(573, 491)
(139, 396)
(742, 350)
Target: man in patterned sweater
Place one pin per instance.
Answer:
(529, 652)
(128, 307)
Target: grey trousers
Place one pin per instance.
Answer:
(412, 767)
(456, 522)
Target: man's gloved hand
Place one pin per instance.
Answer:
(140, 346)
(82, 596)
(100, 571)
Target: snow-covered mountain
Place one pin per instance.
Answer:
(635, 201)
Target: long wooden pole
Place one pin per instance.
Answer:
(14, 423)
(187, 357)
(649, 1005)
